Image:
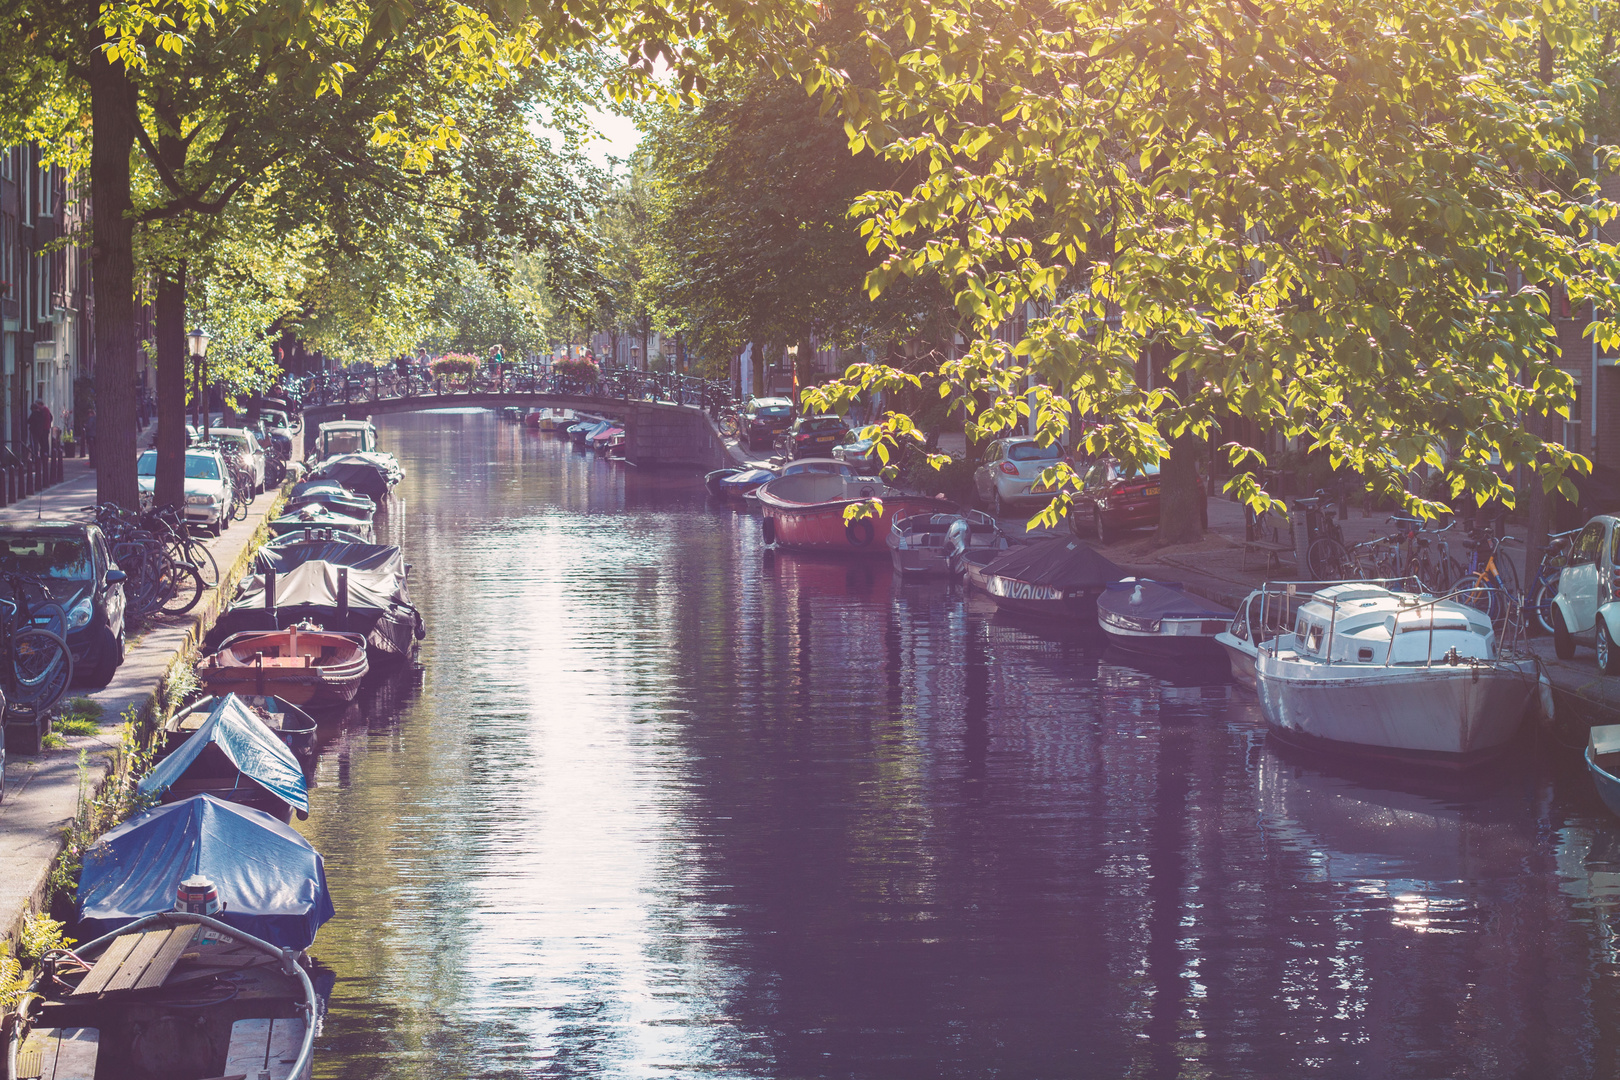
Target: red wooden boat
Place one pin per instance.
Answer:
(805, 512)
(301, 664)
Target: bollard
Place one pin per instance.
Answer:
(343, 598)
(270, 597)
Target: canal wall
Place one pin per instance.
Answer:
(45, 793)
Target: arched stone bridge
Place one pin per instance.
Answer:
(664, 417)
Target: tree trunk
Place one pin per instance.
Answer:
(112, 276)
(1180, 502)
(170, 330)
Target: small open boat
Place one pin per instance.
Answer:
(174, 994)
(302, 664)
(321, 517)
(923, 543)
(805, 511)
(1603, 762)
(235, 757)
(292, 725)
(1160, 619)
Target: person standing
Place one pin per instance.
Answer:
(39, 426)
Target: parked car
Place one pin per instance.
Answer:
(1585, 611)
(1008, 476)
(859, 454)
(208, 486)
(74, 563)
(1113, 499)
(245, 445)
(762, 418)
(815, 436)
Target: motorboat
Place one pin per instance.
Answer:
(337, 437)
(333, 496)
(600, 440)
(270, 882)
(306, 534)
(232, 756)
(1160, 619)
(292, 725)
(1370, 670)
(735, 482)
(1059, 578)
(353, 588)
(373, 475)
(805, 511)
(317, 516)
(1603, 763)
(303, 664)
(512, 414)
(1271, 610)
(172, 994)
(552, 419)
(922, 544)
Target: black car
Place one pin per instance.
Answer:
(815, 436)
(762, 418)
(73, 562)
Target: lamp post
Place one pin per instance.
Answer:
(197, 342)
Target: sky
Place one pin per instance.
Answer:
(617, 136)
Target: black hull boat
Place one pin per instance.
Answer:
(1158, 619)
(1057, 579)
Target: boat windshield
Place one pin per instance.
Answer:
(47, 555)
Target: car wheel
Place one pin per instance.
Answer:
(112, 657)
(1563, 640)
(1105, 534)
(997, 507)
(1608, 657)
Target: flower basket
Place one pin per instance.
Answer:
(578, 371)
(452, 364)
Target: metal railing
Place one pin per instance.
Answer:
(358, 387)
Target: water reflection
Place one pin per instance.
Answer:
(664, 806)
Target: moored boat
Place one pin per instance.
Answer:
(805, 512)
(1160, 619)
(1059, 578)
(232, 756)
(923, 543)
(1271, 610)
(292, 725)
(303, 664)
(1390, 674)
(1603, 763)
(370, 474)
(317, 516)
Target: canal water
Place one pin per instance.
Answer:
(666, 806)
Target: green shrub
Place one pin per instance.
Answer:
(578, 370)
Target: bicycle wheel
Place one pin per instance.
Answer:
(41, 669)
(192, 553)
(1327, 560)
(1506, 573)
(182, 588)
(1541, 604)
(239, 512)
(1482, 594)
(728, 426)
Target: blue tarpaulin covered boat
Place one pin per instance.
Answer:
(251, 749)
(271, 882)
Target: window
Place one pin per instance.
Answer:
(1572, 426)
(45, 184)
(1029, 451)
(48, 556)
(44, 307)
(1587, 545)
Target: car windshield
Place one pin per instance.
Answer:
(1028, 451)
(773, 411)
(202, 467)
(64, 558)
(147, 465)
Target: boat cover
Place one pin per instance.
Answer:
(271, 882)
(310, 591)
(251, 746)
(315, 515)
(1159, 601)
(748, 478)
(1059, 562)
(306, 488)
(314, 534)
(340, 501)
(381, 557)
(369, 474)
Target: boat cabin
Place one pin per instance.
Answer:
(345, 437)
(1369, 624)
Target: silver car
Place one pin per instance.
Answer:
(1008, 476)
(246, 446)
(208, 486)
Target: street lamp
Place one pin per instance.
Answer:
(197, 342)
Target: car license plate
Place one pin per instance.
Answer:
(1150, 492)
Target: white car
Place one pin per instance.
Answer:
(1008, 477)
(246, 446)
(1586, 609)
(208, 486)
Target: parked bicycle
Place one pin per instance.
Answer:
(1491, 582)
(38, 664)
(1540, 598)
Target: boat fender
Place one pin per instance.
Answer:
(1545, 687)
(768, 528)
(860, 532)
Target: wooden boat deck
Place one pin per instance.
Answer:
(262, 1047)
(59, 1054)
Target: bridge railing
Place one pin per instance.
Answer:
(358, 386)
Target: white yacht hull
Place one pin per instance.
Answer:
(1443, 712)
